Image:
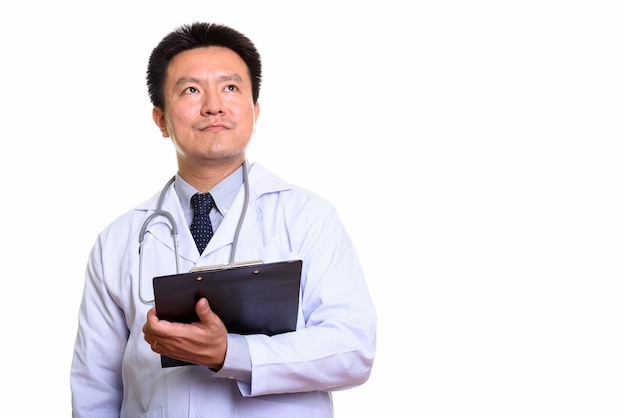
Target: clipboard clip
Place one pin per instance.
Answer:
(226, 266)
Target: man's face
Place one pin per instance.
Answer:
(209, 112)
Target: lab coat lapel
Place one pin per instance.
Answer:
(261, 181)
(225, 233)
(159, 227)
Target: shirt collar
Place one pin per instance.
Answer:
(223, 193)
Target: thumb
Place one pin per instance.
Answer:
(206, 317)
(203, 309)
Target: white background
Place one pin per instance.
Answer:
(475, 150)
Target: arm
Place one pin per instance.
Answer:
(95, 377)
(334, 345)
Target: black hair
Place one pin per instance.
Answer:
(197, 35)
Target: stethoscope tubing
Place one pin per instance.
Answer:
(171, 223)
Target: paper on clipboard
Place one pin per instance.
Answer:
(250, 298)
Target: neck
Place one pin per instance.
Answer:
(206, 177)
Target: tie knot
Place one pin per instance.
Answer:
(201, 203)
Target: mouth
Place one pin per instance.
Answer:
(213, 127)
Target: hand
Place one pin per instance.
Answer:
(202, 342)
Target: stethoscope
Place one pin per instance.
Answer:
(171, 223)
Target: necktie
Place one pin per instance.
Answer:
(201, 228)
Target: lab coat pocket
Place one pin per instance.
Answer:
(288, 405)
(155, 413)
(267, 254)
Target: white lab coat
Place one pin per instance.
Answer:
(114, 372)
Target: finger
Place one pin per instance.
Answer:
(151, 315)
(152, 342)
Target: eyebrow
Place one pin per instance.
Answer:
(225, 77)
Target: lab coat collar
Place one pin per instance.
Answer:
(261, 181)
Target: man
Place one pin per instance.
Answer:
(204, 81)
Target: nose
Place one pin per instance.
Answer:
(212, 105)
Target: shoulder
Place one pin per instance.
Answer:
(131, 220)
(267, 188)
(281, 203)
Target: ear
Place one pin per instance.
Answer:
(257, 109)
(159, 118)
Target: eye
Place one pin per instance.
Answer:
(190, 90)
(231, 87)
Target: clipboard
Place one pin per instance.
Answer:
(250, 298)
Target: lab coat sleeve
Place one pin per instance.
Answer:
(237, 362)
(96, 378)
(333, 348)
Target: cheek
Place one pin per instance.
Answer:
(245, 122)
(181, 117)
(246, 115)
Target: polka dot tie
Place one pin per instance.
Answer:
(201, 228)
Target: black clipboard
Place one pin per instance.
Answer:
(250, 298)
